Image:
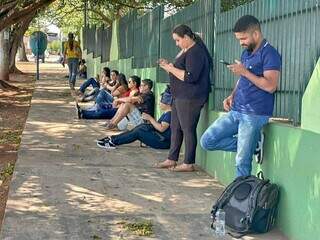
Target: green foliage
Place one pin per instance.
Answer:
(54, 46)
(10, 137)
(68, 15)
(143, 228)
(7, 171)
(227, 5)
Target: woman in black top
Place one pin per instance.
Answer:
(190, 87)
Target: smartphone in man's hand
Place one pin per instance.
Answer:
(224, 62)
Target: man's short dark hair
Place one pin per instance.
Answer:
(246, 23)
(148, 82)
(116, 72)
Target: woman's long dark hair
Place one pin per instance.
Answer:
(106, 71)
(123, 81)
(182, 30)
(70, 40)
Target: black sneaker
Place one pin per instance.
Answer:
(79, 111)
(103, 140)
(259, 149)
(106, 145)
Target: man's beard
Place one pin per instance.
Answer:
(250, 47)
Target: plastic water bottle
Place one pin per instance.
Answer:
(220, 222)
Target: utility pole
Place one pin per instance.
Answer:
(85, 13)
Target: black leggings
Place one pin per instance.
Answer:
(146, 133)
(184, 120)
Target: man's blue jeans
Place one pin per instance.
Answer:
(235, 132)
(87, 83)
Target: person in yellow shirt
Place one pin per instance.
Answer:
(72, 54)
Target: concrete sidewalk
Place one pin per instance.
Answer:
(64, 187)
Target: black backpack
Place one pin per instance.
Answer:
(250, 204)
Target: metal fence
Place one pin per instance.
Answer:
(91, 41)
(126, 30)
(199, 16)
(84, 38)
(98, 42)
(289, 25)
(106, 44)
(146, 39)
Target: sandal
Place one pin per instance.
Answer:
(165, 164)
(182, 168)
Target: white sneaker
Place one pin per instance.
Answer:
(106, 145)
(103, 140)
(259, 149)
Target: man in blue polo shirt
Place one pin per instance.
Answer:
(250, 104)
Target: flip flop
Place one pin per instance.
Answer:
(164, 165)
(179, 168)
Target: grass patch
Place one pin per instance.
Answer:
(141, 228)
(7, 171)
(96, 237)
(10, 137)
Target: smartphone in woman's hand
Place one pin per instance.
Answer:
(162, 61)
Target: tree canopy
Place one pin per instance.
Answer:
(62, 11)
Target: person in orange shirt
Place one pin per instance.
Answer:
(72, 54)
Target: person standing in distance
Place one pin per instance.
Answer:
(72, 54)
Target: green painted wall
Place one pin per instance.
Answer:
(291, 161)
(291, 154)
(310, 116)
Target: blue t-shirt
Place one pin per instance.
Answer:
(166, 117)
(248, 97)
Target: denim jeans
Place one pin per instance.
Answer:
(73, 65)
(146, 134)
(104, 97)
(87, 83)
(99, 112)
(235, 132)
(91, 95)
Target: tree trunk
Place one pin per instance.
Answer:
(17, 37)
(4, 55)
(4, 61)
(22, 53)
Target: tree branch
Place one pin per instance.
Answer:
(16, 14)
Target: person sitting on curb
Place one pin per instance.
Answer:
(96, 83)
(155, 134)
(83, 69)
(130, 109)
(108, 110)
(113, 80)
(120, 89)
